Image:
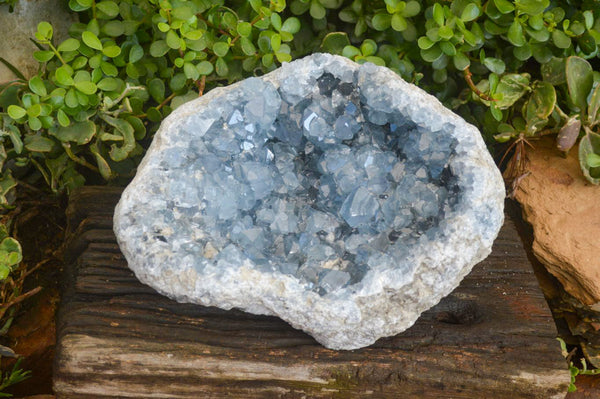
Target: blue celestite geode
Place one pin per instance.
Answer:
(336, 196)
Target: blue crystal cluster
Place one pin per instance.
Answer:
(312, 182)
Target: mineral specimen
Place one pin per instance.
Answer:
(333, 195)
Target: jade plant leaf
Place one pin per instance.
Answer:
(589, 151)
(580, 78)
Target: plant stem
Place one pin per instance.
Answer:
(201, 85)
(4, 307)
(57, 53)
(469, 80)
(77, 159)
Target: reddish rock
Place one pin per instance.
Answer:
(562, 207)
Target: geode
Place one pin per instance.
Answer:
(333, 195)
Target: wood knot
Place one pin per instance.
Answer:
(454, 310)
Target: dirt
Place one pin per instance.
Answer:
(38, 225)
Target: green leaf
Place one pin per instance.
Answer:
(12, 246)
(438, 14)
(512, 86)
(515, 34)
(560, 39)
(78, 132)
(138, 125)
(283, 57)
(110, 8)
(542, 101)
(71, 99)
(109, 69)
(190, 71)
(158, 48)
(4, 271)
(291, 25)
(368, 47)
(34, 110)
(532, 7)
(63, 119)
(431, 54)
(109, 84)
(182, 12)
(594, 106)
(541, 53)
(589, 19)
(580, 78)
(350, 52)
(587, 42)
(111, 51)
(398, 23)
(63, 76)
(445, 32)
(91, 40)
(194, 34)
(86, 87)
(136, 53)
(317, 11)
(103, 166)
(504, 6)
(276, 21)
(34, 123)
(16, 112)
(221, 49)
(221, 67)
(381, 21)
(593, 160)
(275, 42)
(590, 144)
(461, 61)
(37, 143)
(495, 65)
(69, 45)
(172, 40)
(156, 88)
(244, 28)
(44, 31)
(425, 43)
(448, 48)
(334, 42)
(114, 28)
(470, 12)
(163, 27)
(177, 82)
(496, 113)
(205, 68)
(411, 9)
(153, 114)
(43, 56)
(126, 130)
(522, 53)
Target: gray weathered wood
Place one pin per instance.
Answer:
(493, 337)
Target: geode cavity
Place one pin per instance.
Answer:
(333, 195)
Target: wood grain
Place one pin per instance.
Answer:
(493, 337)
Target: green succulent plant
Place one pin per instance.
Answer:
(517, 69)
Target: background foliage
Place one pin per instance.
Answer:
(517, 69)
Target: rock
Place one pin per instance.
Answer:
(562, 207)
(335, 196)
(18, 27)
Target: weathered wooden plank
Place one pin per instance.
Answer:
(492, 337)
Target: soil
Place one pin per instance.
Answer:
(39, 226)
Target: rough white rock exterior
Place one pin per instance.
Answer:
(222, 209)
